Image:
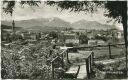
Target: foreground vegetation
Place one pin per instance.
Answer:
(32, 61)
(27, 61)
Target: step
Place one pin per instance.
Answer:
(72, 70)
(82, 72)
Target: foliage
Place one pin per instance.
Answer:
(26, 62)
(113, 67)
(10, 5)
(83, 39)
(76, 6)
(116, 9)
(102, 37)
(53, 34)
(69, 45)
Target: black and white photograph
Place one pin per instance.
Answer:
(64, 39)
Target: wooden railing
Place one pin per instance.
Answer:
(89, 63)
(94, 46)
(59, 61)
(55, 64)
(64, 56)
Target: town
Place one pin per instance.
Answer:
(66, 37)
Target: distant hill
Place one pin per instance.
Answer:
(46, 24)
(10, 27)
(83, 24)
(45, 29)
(43, 22)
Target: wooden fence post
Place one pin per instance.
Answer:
(92, 58)
(52, 70)
(67, 55)
(109, 51)
(90, 63)
(62, 60)
(87, 68)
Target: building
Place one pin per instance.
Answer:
(74, 41)
(25, 35)
(71, 38)
(92, 42)
(100, 42)
(96, 42)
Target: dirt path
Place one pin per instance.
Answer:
(79, 59)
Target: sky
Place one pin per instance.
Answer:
(45, 11)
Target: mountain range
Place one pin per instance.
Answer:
(57, 23)
(83, 24)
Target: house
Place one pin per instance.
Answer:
(33, 36)
(92, 42)
(119, 35)
(100, 42)
(71, 38)
(64, 47)
(25, 35)
(90, 35)
(96, 42)
(74, 41)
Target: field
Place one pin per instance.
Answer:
(104, 52)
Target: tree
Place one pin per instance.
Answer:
(117, 9)
(10, 5)
(53, 34)
(83, 39)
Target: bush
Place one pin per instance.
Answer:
(69, 44)
(26, 62)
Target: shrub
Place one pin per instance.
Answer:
(26, 62)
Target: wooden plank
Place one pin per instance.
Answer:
(82, 73)
(87, 68)
(72, 70)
